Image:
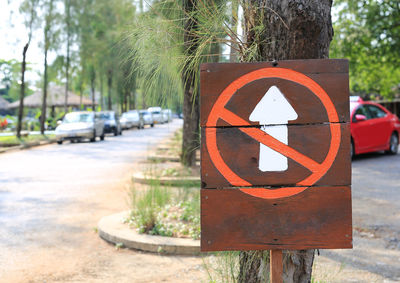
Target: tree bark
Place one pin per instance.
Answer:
(109, 86)
(47, 42)
(44, 98)
(22, 90)
(23, 69)
(191, 111)
(92, 87)
(291, 29)
(101, 91)
(68, 22)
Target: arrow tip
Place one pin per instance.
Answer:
(273, 108)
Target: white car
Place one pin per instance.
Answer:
(147, 117)
(167, 115)
(80, 125)
(157, 114)
(131, 119)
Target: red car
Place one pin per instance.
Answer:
(373, 127)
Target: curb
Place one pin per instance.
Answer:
(163, 158)
(26, 146)
(112, 229)
(171, 181)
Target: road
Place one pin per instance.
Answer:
(376, 222)
(51, 198)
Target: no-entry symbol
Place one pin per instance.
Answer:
(220, 112)
(275, 155)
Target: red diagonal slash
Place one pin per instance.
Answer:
(270, 141)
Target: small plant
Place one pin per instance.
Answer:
(119, 246)
(160, 211)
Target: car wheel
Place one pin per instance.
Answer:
(102, 137)
(93, 139)
(115, 132)
(393, 145)
(60, 142)
(152, 125)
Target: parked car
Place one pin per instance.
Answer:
(157, 114)
(373, 128)
(125, 122)
(167, 115)
(80, 125)
(111, 122)
(132, 119)
(147, 117)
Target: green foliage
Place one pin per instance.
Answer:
(162, 211)
(14, 141)
(222, 267)
(368, 34)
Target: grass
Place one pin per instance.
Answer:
(222, 267)
(166, 211)
(14, 141)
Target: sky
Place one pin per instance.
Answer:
(13, 37)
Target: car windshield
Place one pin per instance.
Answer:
(156, 112)
(352, 106)
(106, 116)
(78, 117)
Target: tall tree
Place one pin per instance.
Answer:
(284, 30)
(28, 7)
(368, 34)
(191, 111)
(49, 41)
(67, 7)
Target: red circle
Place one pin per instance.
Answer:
(226, 95)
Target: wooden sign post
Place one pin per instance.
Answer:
(275, 156)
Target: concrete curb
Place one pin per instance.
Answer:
(112, 229)
(163, 158)
(172, 181)
(27, 146)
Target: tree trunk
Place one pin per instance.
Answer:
(44, 98)
(101, 92)
(68, 21)
(22, 90)
(292, 29)
(109, 86)
(234, 26)
(80, 92)
(92, 87)
(191, 111)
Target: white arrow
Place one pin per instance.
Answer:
(273, 109)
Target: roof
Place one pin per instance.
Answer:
(55, 97)
(4, 104)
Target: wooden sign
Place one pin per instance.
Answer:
(275, 155)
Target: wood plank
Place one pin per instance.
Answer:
(319, 217)
(276, 266)
(240, 153)
(216, 77)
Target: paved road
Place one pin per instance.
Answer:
(376, 218)
(51, 198)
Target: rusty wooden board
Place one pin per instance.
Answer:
(275, 155)
(320, 217)
(331, 75)
(241, 152)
